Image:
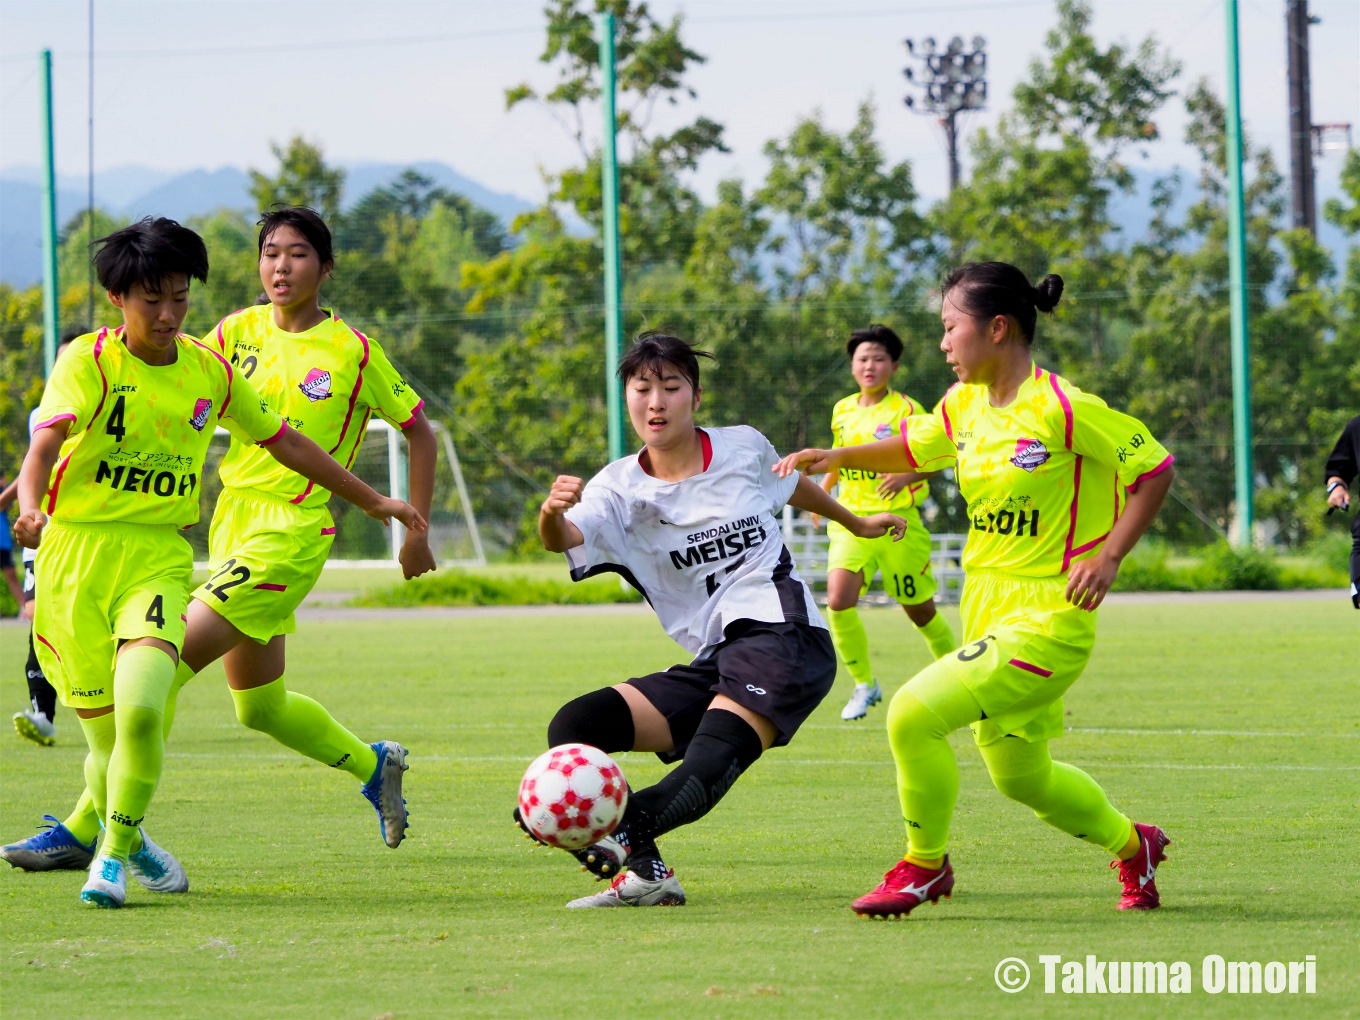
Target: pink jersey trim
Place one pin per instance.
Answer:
(948, 425)
(1067, 409)
(72, 417)
(230, 375)
(1037, 373)
(283, 427)
(328, 531)
(104, 380)
(354, 394)
(48, 644)
(272, 587)
(415, 412)
(1089, 545)
(1072, 516)
(902, 427)
(1029, 667)
(1151, 474)
(52, 492)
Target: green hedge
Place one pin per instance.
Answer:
(462, 588)
(1223, 569)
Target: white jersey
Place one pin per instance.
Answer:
(705, 551)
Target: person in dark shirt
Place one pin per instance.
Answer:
(1342, 467)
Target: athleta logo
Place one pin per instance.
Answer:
(200, 417)
(883, 431)
(317, 385)
(1029, 454)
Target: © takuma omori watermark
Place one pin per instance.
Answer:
(1159, 977)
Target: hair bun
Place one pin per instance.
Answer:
(1048, 292)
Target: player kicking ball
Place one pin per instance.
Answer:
(111, 476)
(271, 532)
(1059, 488)
(690, 522)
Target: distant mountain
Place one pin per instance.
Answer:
(142, 191)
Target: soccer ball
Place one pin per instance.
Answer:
(572, 795)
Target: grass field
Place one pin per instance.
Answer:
(1235, 726)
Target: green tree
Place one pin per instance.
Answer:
(303, 178)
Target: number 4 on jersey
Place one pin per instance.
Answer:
(115, 426)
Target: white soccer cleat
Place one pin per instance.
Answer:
(36, 727)
(107, 884)
(156, 868)
(865, 697)
(632, 890)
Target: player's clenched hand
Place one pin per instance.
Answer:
(565, 494)
(28, 528)
(810, 462)
(416, 557)
(1088, 581)
(879, 525)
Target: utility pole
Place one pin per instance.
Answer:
(1297, 20)
(951, 82)
(51, 323)
(89, 177)
(613, 311)
(1243, 475)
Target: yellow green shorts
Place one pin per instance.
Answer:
(1024, 645)
(264, 556)
(905, 564)
(104, 584)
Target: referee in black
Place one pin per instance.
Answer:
(1342, 467)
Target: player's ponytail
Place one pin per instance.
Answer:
(988, 289)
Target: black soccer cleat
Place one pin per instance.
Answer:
(604, 859)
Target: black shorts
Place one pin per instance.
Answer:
(779, 670)
(6, 558)
(30, 582)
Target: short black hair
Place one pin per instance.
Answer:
(876, 333)
(147, 252)
(72, 333)
(988, 289)
(653, 350)
(306, 222)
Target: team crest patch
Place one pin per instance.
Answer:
(1029, 454)
(201, 411)
(883, 431)
(317, 385)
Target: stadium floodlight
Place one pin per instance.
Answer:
(952, 81)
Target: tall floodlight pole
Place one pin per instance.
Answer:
(952, 82)
(49, 209)
(1297, 21)
(609, 196)
(1237, 292)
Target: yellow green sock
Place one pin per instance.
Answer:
(939, 636)
(852, 643)
(297, 721)
(84, 821)
(142, 680)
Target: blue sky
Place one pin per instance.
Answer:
(194, 83)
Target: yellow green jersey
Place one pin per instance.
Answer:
(1045, 478)
(326, 382)
(139, 433)
(853, 425)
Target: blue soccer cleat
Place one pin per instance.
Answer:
(383, 791)
(107, 884)
(54, 848)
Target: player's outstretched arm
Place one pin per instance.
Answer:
(556, 532)
(298, 453)
(884, 455)
(43, 451)
(1088, 581)
(416, 557)
(810, 496)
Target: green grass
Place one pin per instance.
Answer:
(474, 588)
(298, 911)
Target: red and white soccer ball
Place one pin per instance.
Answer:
(572, 795)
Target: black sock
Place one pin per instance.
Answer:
(601, 719)
(722, 748)
(41, 694)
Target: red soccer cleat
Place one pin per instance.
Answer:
(905, 887)
(1139, 871)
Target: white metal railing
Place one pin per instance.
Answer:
(809, 546)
